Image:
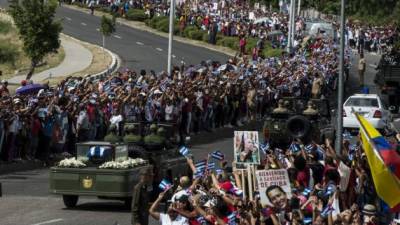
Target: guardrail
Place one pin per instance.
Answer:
(115, 62)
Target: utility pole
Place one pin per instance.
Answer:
(339, 129)
(290, 27)
(299, 8)
(293, 22)
(171, 35)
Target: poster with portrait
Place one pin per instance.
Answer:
(246, 147)
(267, 178)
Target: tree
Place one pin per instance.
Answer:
(37, 28)
(107, 27)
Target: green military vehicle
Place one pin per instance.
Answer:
(298, 118)
(110, 171)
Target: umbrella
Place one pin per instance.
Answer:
(227, 67)
(29, 89)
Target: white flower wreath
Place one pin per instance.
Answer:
(126, 164)
(71, 163)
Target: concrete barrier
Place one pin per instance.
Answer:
(115, 63)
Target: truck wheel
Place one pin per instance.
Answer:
(70, 200)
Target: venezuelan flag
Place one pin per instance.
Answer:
(387, 184)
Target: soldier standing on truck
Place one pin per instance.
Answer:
(140, 200)
(361, 69)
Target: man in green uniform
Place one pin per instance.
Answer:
(130, 136)
(311, 109)
(112, 136)
(153, 141)
(140, 198)
(281, 107)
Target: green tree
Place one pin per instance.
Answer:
(37, 28)
(107, 27)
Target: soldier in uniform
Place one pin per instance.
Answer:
(130, 136)
(153, 139)
(112, 136)
(140, 198)
(281, 107)
(311, 110)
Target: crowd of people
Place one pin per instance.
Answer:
(326, 188)
(195, 98)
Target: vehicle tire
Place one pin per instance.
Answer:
(298, 126)
(128, 203)
(70, 200)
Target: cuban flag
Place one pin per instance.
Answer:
(236, 191)
(201, 220)
(320, 153)
(307, 220)
(294, 147)
(264, 147)
(198, 174)
(201, 165)
(309, 148)
(325, 212)
(165, 185)
(218, 155)
(330, 190)
(306, 192)
(98, 151)
(211, 166)
(346, 136)
(219, 171)
(184, 151)
(232, 219)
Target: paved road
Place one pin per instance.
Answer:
(137, 49)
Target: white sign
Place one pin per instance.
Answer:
(266, 178)
(246, 147)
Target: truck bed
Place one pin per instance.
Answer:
(91, 181)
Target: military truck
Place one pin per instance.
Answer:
(92, 178)
(387, 79)
(293, 120)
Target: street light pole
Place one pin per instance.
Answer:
(171, 35)
(339, 129)
(290, 27)
(299, 8)
(293, 21)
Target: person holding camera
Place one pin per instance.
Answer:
(172, 217)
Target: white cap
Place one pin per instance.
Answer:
(157, 92)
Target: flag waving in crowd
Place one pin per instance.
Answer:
(383, 161)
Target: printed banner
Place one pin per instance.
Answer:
(246, 147)
(267, 178)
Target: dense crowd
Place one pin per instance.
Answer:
(326, 188)
(195, 98)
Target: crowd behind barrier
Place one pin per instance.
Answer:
(199, 97)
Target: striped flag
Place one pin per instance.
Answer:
(307, 220)
(184, 151)
(236, 191)
(232, 219)
(219, 171)
(309, 148)
(306, 192)
(265, 147)
(201, 220)
(218, 155)
(201, 165)
(165, 185)
(346, 136)
(211, 166)
(198, 174)
(294, 147)
(330, 190)
(325, 212)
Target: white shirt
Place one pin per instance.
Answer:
(179, 220)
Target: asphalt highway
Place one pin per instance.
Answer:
(137, 49)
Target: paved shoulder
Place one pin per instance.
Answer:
(77, 58)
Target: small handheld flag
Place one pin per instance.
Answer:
(201, 165)
(165, 185)
(309, 148)
(264, 147)
(218, 155)
(184, 151)
(232, 219)
(294, 147)
(325, 212)
(306, 192)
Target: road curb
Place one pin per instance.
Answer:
(114, 65)
(7, 168)
(143, 27)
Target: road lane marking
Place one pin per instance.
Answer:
(49, 221)
(98, 29)
(67, 18)
(139, 43)
(116, 36)
(173, 56)
(83, 24)
(159, 49)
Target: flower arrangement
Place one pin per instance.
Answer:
(71, 163)
(126, 164)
